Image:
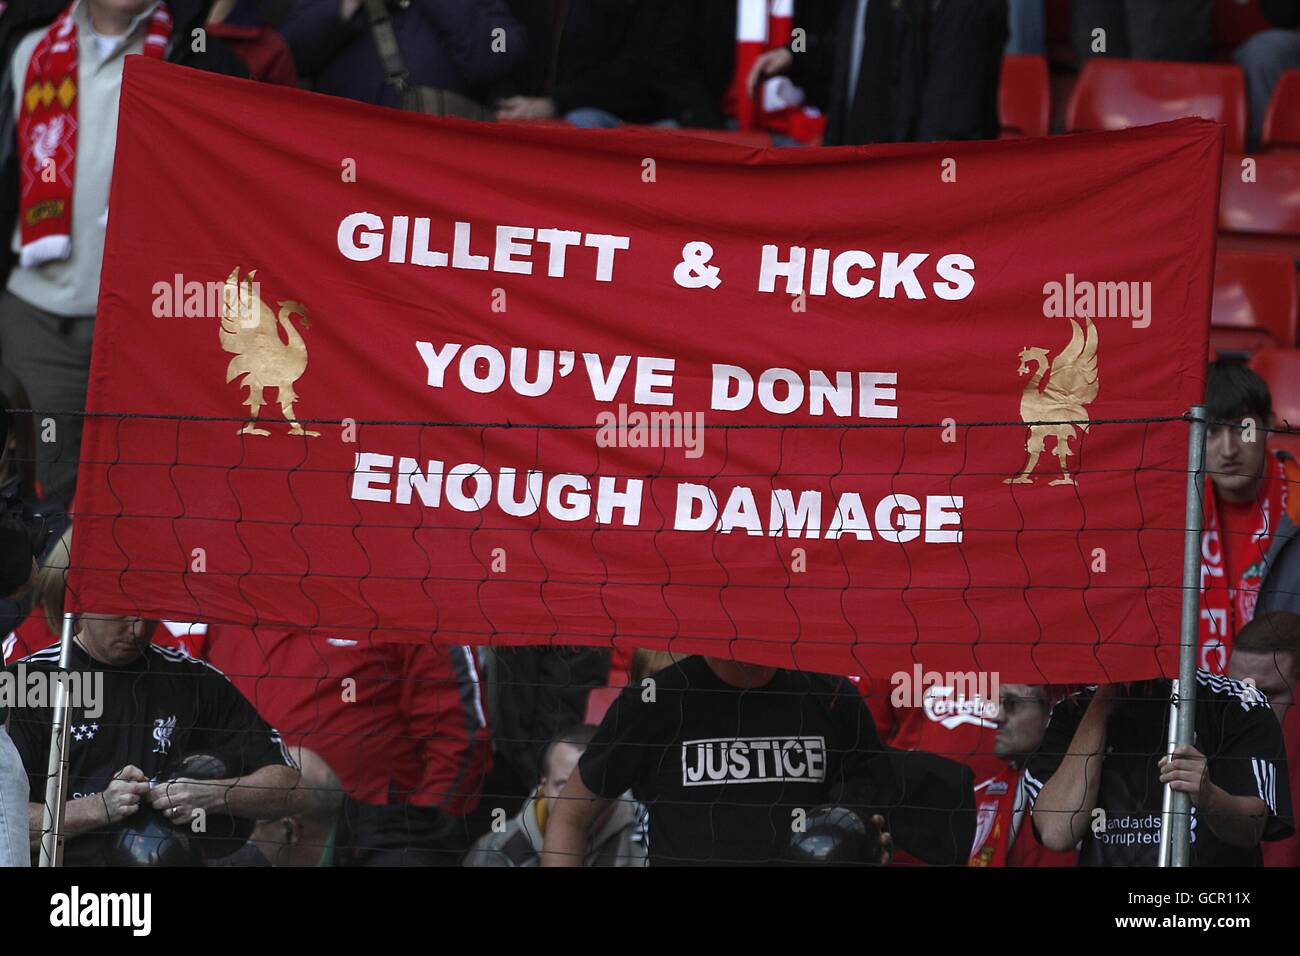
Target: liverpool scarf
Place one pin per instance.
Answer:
(998, 812)
(763, 25)
(47, 135)
(1232, 571)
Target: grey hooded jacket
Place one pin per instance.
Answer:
(620, 842)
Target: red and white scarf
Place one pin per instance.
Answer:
(47, 135)
(998, 814)
(763, 25)
(1233, 571)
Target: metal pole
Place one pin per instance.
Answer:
(56, 768)
(1178, 804)
(1167, 805)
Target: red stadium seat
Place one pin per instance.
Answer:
(1281, 369)
(1261, 213)
(1115, 94)
(1254, 302)
(1282, 121)
(1024, 96)
(1236, 21)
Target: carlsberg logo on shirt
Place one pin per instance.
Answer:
(753, 760)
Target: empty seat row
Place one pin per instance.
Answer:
(1116, 94)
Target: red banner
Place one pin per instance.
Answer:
(844, 410)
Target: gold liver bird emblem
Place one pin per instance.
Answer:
(1054, 406)
(249, 330)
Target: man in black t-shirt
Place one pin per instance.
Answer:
(1098, 780)
(731, 758)
(156, 706)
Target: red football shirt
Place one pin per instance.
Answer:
(399, 723)
(30, 636)
(946, 723)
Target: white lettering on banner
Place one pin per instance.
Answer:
(782, 391)
(483, 369)
(469, 487)
(364, 236)
(723, 760)
(851, 273)
(898, 517)
(521, 250)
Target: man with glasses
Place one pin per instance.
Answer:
(1001, 838)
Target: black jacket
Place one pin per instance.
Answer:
(606, 54)
(20, 18)
(930, 71)
(1281, 13)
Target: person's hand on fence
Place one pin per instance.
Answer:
(1187, 771)
(179, 799)
(123, 794)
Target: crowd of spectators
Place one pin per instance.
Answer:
(322, 750)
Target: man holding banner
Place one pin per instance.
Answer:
(1097, 781)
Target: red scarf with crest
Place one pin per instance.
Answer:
(47, 135)
(1232, 571)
